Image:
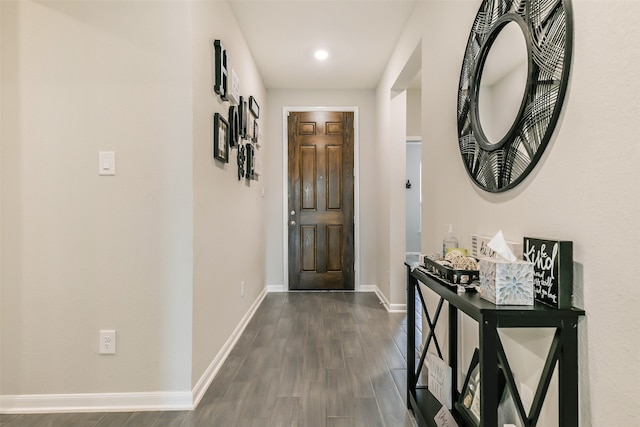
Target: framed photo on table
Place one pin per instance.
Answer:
(469, 401)
(220, 138)
(470, 396)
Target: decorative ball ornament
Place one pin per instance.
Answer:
(497, 166)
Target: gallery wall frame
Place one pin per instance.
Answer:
(243, 113)
(220, 138)
(220, 70)
(250, 153)
(234, 87)
(234, 126)
(254, 135)
(254, 107)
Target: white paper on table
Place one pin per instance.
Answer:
(439, 379)
(444, 418)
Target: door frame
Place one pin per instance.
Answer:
(285, 188)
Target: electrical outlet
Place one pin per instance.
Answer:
(107, 341)
(242, 288)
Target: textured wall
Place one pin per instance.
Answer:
(584, 190)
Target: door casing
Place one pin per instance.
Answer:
(285, 186)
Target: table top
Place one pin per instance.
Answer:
(478, 308)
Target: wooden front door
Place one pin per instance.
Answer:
(321, 213)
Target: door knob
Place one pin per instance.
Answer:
(292, 223)
(293, 213)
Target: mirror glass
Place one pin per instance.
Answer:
(502, 83)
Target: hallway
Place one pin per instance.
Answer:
(306, 359)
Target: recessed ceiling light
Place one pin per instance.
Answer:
(321, 55)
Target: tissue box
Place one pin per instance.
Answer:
(506, 283)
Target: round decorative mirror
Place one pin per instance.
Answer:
(513, 81)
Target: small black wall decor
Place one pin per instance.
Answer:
(241, 161)
(243, 113)
(254, 134)
(220, 70)
(234, 126)
(499, 161)
(254, 107)
(552, 270)
(220, 138)
(249, 173)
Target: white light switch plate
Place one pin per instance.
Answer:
(106, 163)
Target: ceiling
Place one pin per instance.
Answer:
(359, 35)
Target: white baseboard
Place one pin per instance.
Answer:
(367, 288)
(276, 288)
(207, 377)
(397, 308)
(391, 308)
(128, 402)
(96, 402)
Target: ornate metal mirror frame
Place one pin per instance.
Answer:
(497, 166)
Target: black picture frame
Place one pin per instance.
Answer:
(254, 134)
(220, 138)
(254, 107)
(220, 70)
(552, 270)
(234, 127)
(243, 117)
(468, 404)
(250, 163)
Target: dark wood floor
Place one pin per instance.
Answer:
(326, 359)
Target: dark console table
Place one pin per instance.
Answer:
(563, 353)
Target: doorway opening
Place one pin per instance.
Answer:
(413, 199)
(326, 254)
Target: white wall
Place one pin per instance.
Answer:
(83, 252)
(229, 239)
(583, 190)
(414, 112)
(156, 252)
(275, 171)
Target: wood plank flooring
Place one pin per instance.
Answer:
(319, 359)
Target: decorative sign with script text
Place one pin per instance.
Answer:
(439, 381)
(444, 418)
(552, 270)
